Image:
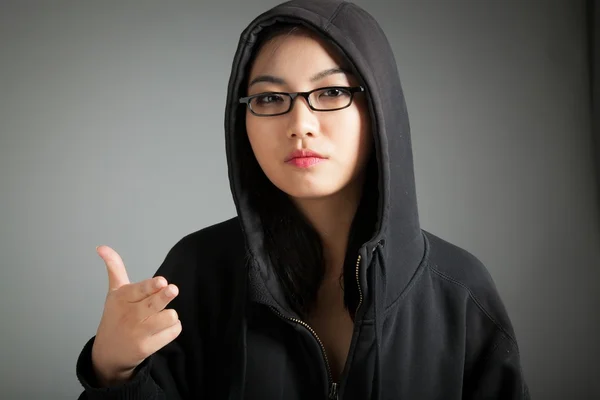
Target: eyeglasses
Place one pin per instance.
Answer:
(331, 98)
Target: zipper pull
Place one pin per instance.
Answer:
(333, 391)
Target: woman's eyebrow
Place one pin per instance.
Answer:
(267, 78)
(314, 78)
(327, 72)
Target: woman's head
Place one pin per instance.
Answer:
(297, 60)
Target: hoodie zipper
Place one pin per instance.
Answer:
(333, 394)
(360, 293)
(333, 386)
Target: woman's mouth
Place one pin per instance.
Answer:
(304, 158)
(305, 162)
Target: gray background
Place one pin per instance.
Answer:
(111, 132)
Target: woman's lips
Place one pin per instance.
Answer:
(305, 162)
(304, 158)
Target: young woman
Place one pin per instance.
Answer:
(324, 285)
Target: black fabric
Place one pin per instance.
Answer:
(431, 324)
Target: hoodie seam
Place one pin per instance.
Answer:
(418, 274)
(249, 41)
(334, 15)
(476, 301)
(329, 20)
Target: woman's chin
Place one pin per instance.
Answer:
(309, 193)
(309, 186)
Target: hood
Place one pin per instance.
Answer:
(398, 237)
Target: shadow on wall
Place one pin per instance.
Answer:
(593, 22)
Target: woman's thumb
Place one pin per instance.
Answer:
(117, 274)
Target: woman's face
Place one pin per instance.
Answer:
(295, 63)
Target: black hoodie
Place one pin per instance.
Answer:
(430, 324)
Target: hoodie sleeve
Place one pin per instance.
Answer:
(500, 376)
(154, 379)
(163, 374)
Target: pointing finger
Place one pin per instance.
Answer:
(117, 274)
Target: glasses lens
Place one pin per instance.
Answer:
(330, 98)
(270, 103)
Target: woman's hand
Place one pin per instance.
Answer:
(134, 323)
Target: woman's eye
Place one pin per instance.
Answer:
(333, 93)
(269, 98)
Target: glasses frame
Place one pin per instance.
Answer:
(294, 95)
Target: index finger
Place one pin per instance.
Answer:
(139, 291)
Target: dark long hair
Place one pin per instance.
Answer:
(290, 241)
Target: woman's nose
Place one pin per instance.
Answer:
(302, 121)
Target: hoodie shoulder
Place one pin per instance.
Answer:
(210, 250)
(219, 235)
(465, 272)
